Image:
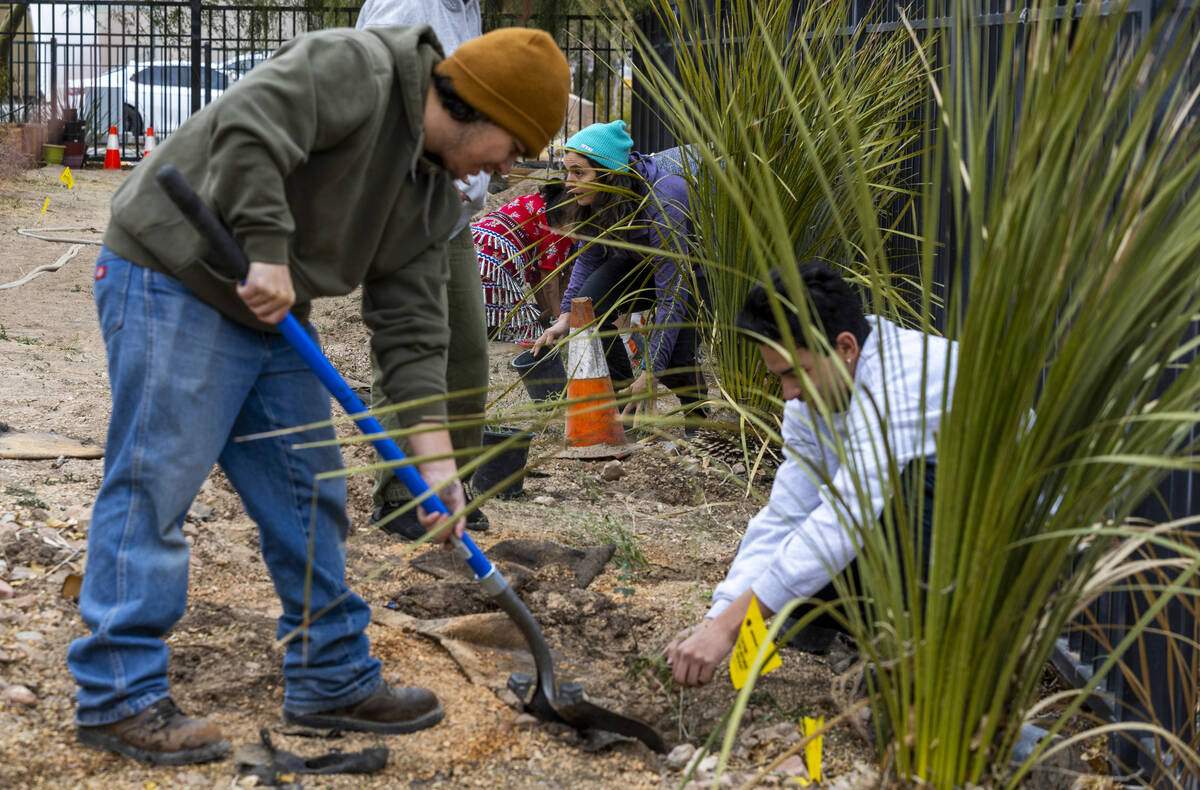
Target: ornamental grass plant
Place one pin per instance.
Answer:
(798, 146)
(1057, 233)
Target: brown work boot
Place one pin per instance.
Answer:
(385, 710)
(159, 735)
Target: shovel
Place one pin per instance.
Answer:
(561, 702)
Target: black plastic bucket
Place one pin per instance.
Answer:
(502, 464)
(544, 376)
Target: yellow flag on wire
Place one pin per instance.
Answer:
(812, 752)
(812, 749)
(751, 636)
(45, 206)
(67, 178)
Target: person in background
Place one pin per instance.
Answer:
(623, 195)
(454, 22)
(521, 256)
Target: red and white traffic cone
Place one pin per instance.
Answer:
(149, 141)
(112, 156)
(593, 425)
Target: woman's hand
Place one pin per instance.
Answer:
(557, 331)
(638, 404)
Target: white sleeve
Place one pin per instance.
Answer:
(815, 551)
(793, 496)
(390, 13)
(476, 190)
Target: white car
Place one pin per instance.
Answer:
(237, 66)
(157, 94)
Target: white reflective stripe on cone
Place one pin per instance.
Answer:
(585, 360)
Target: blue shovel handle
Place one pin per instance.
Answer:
(229, 259)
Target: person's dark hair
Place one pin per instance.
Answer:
(453, 103)
(835, 306)
(557, 201)
(620, 198)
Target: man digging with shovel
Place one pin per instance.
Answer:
(332, 165)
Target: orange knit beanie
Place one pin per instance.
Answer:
(516, 76)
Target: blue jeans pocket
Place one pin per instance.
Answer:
(111, 290)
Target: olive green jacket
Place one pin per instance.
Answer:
(315, 159)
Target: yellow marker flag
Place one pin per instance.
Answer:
(812, 749)
(67, 178)
(751, 637)
(812, 753)
(45, 206)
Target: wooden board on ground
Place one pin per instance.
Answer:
(487, 647)
(40, 446)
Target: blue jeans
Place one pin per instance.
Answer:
(186, 381)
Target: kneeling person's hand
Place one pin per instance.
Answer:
(697, 652)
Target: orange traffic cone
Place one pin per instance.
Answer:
(112, 156)
(593, 427)
(149, 141)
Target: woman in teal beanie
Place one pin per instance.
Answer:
(623, 195)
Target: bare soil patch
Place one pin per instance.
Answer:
(675, 525)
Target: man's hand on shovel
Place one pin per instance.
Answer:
(268, 291)
(433, 443)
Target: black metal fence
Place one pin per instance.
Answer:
(1159, 680)
(141, 63)
(601, 73)
(134, 65)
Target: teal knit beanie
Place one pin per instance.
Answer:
(608, 144)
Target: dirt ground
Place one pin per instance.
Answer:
(676, 525)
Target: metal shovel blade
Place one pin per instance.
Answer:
(563, 702)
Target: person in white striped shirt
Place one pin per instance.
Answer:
(875, 374)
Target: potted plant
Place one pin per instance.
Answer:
(506, 453)
(544, 376)
(53, 154)
(74, 137)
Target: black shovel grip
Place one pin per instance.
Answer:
(230, 260)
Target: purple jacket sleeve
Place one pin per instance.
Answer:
(585, 263)
(665, 225)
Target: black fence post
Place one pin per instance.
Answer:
(53, 77)
(196, 53)
(648, 128)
